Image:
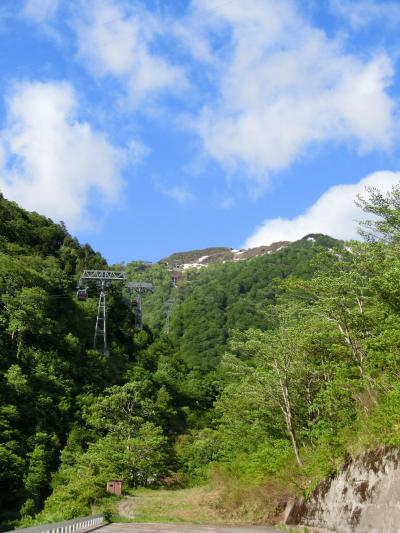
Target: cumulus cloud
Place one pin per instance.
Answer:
(334, 213)
(40, 11)
(137, 151)
(117, 42)
(360, 13)
(51, 161)
(273, 86)
(284, 86)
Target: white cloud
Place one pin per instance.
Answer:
(118, 43)
(284, 86)
(137, 151)
(52, 162)
(178, 193)
(40, 11)
(360, 13)
(43, 13)
(334, 213)
(228, 203)
(273, 87)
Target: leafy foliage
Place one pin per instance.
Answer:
(275, 369)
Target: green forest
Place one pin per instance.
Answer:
(258, 377)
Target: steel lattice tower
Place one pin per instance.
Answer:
(101, 324)
(168, 308)
(103, 278)
(140, 289)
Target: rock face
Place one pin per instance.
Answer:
(364, 497)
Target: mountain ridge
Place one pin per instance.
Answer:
(204, 257)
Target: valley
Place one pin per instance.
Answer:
(244, 384)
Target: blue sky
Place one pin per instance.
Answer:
(154, 126)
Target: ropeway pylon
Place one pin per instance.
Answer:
(168, 309)
(140, 289)
(103, 279)
(101, 324)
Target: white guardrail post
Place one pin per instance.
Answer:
(69, 526)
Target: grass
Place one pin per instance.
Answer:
(179, 506)
(232, 505)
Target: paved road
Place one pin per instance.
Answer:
(182, 528)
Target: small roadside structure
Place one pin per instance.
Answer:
(115, 487)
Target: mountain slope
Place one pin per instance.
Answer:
(211, 302)
(207, 256)
(46, 361)
(234, 295)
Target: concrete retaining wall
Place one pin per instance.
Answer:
(364, 497)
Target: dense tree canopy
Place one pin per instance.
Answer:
(274, 368)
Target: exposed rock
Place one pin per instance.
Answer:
(364, 497)
(208, 256)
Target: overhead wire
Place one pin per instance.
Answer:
(32, 297)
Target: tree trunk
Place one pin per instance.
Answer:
(287, 413)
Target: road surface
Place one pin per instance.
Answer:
(182, 528)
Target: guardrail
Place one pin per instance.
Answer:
(69, 526)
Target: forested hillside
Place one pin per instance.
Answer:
(47, 369)
(273, 371)
(209, 305)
